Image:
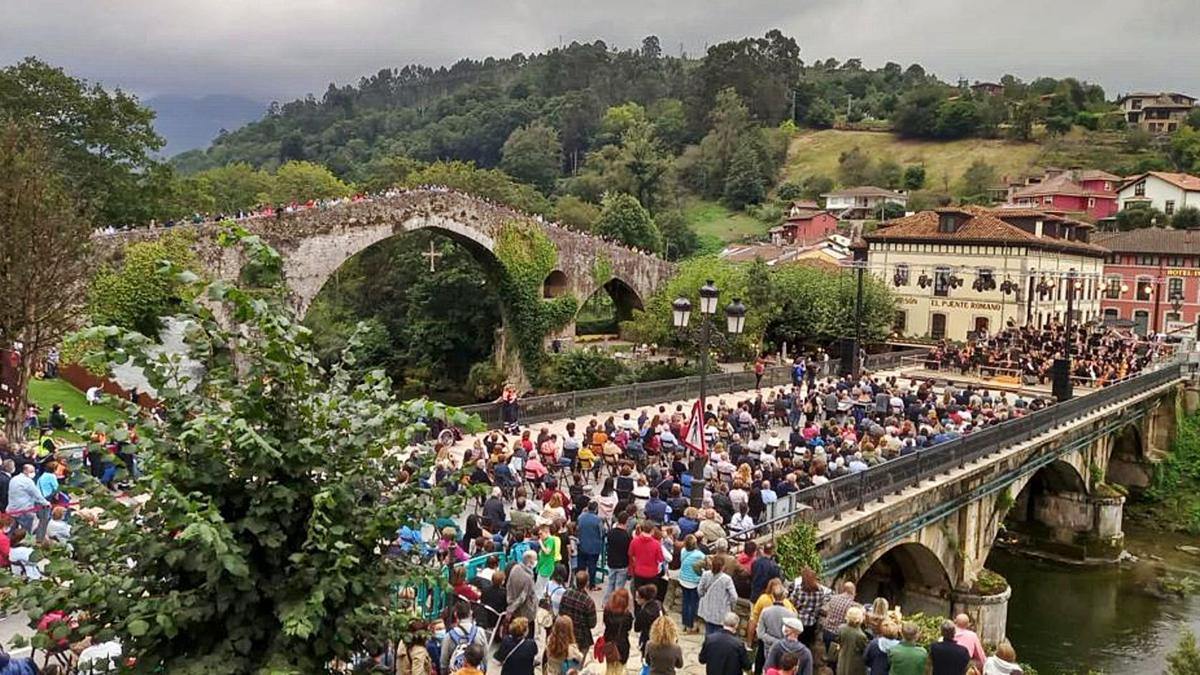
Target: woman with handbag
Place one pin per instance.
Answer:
(618, 621)
(562, 654)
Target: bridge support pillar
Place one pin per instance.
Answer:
(1074, 526)
(989, 613)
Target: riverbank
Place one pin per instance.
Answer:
(1069, 620)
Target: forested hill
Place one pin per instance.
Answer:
(467, 111)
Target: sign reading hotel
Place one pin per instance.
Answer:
(1182, 272)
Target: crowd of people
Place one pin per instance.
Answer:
(1100, 355)
(282, 209)
(587, 535)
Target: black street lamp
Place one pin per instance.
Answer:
(735, 323)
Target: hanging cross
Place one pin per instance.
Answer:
(433, 255)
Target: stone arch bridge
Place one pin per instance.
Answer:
(918, 529)
(315, 242)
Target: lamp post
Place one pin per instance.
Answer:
(735, 323)
(1061, 384)
(852, 364)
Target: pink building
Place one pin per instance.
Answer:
(803, 227)
(1094, 195)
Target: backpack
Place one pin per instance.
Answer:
(458, 657)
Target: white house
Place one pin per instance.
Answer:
(1167, 192)
(861, 203)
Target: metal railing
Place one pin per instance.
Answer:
(569, 405)
(853, 491)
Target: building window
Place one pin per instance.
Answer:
(1175, 261)
(1145, 289)
(900, 322)
(1112, 290)
(1147, 260)
(1111, 315)
(1174, 288)
(1139, 190)
(941, 282)
(1091, 202)
(1141, 321)
(1169, 207)
(1048, 199)
(1171, 316)
(937, 325)
(1137, 104)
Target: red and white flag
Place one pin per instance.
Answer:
(693, 438)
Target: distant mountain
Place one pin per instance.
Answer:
(187, 123)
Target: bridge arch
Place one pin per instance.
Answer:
(606, 306)
(909, 574)
(555, 284)
(1128, 462)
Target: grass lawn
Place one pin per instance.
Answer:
(710, 219)
(817, 153)
(45, 393)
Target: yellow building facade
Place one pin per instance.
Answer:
(961, 272)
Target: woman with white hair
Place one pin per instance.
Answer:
(852, 644)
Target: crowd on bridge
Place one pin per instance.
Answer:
(589, 533)
(1101, 355)
(266, 211)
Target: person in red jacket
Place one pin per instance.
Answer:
(645, 556)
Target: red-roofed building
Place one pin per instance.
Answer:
(1167, 192)
(1152, 279)
(1093, 195)
(804, 226)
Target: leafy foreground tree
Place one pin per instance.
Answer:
(1185, 659)
(271, 489)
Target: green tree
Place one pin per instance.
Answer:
(956, 119)
(582, 369)
(644, 165)
(271, 487)
(1186, 218)
(917, 113)
(669, 121)
(889, 174)
(914, 177)
(817, 185)
(134, 296)
(1138, 139)
(1184, 150)
(977, 179)
(789, 191)
(622, 218)
(1059, 125)
(44, 240)
(103, 142)
(299, 181)
(576, 213)
(1137, 217)
(533, 154)
(386, 172)
(744, 181)
(855, 168)
(1185, 658)
(619, 119)
(1021, 128)
(238, 186)
(821, 115)
(488, 183)
(679, 239)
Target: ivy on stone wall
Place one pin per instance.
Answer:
(797, 549)
(527, 257)
(602, 269)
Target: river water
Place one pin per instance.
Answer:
(1065, 619)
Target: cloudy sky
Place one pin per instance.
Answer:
(281, 49)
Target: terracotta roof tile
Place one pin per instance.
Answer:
(1057, 185)
(1151, 240)
(981, 225)
(1182, 180)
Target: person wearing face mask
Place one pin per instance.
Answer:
(24, 499)
(522, 599)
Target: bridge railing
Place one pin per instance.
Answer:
(854, 491)
(538, 409)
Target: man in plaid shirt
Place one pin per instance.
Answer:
(577, 604)
(835, 611)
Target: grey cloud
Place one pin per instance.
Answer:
(279, 49)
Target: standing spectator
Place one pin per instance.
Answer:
(463, 634)
(493, 511)
(522, 596)
(966, 637)
(835, 612)
(518, 652)
(769, 628)
(591, 541)
(876, 656)
(562, 653)
(645, 556)
(618, 621)
(7, 469)
(852, 643)
(690, 564)
(648, 611)
(723, 652)
(791, 645)
(548, 556)
(809, 596)
(948, 657)
(577, 604)
(495, 598)
(662, 651)
(908, 658)
(763, 569)
(24, 499)
(618, 556)
(717, 594)
(1003, 662)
